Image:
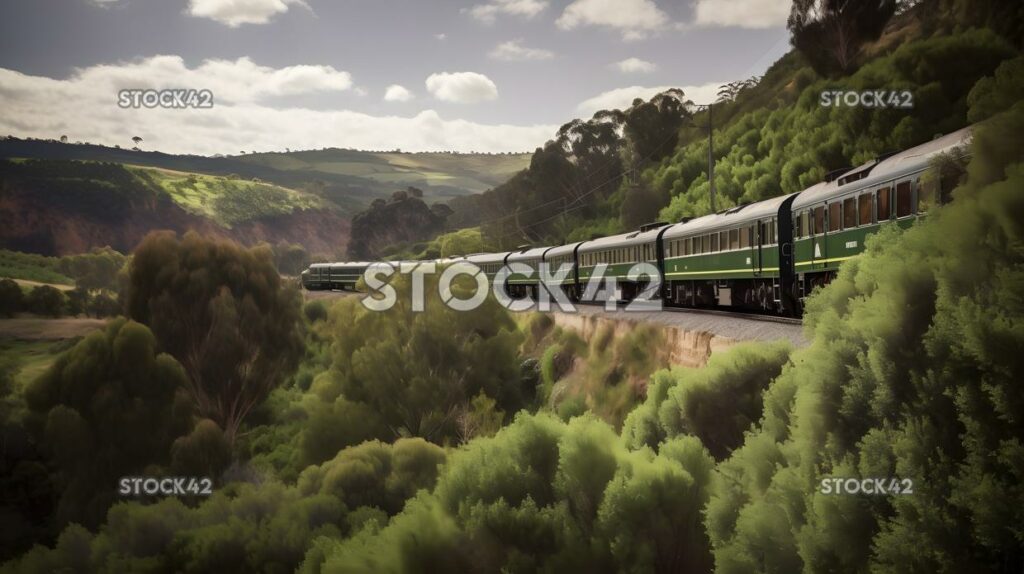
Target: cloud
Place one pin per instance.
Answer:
(441, 37)
(635, 66)
(461, 87)
(622, 98)
(515, 51)
(742, 13)
(635, 19)
(104, 3)
(240, 80)
(234, 13)
(488, 12)
(84, 106)
(396, 93)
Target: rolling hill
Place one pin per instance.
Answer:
(67, 198)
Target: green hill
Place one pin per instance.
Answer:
(347, 180)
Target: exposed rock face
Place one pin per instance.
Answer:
(403, 219)
(680, 347)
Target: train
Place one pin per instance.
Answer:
(765, 256)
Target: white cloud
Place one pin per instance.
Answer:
(622, 98)
(742, 13)
(635, 19)
(488, 12)
(234, 13)
(240, 80)
(84, 106)
(515, 51)
(635, 66)
(396, 93)
(104, 3)
(461, 87)
(441, 37)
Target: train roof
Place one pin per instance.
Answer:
(351, 263)
(877, 172)
(730, 217)
(561, 250)
(622, 240)
(487, 257)
(527, 254)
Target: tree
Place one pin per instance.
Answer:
(109, 407)
(223, 312)
(78, 301)
(136, 140)
(45, 300)
(11, 297)
(63, 139)
(653, 126)
(831, 33)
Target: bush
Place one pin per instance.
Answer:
(11, 297)
(45, 300)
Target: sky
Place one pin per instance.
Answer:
(417, 75)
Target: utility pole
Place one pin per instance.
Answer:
(711, 158)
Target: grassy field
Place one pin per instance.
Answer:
(32, 268)
(451, 175)
(228, 201)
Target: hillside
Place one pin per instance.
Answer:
(68, 198)
(348, 179)
(59, 207)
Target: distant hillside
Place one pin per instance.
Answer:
(59, 207)
(348, 180)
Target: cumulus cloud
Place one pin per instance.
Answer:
(742, 13)
(397, 93)
(461, 87)
(634, 19)
(240, 80)
(234, 13)
(622, 98)
(515, 51)
(84, 106)
(635, 66)
(488, 12)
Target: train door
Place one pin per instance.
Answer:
(818, 237)
(759, 236)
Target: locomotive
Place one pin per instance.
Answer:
(765, 256)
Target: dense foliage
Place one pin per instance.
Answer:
(220, 309)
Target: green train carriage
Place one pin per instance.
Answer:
(833, 219)
(740, 257)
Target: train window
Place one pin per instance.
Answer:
(849, 212)
(804, 224)
(864, 209)
(883, 197)
(903, 198)
(745, 236)
(734, 239)
(819, 220)
(835, 215)
(773, 231)
(723, 240)
(705, 243)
